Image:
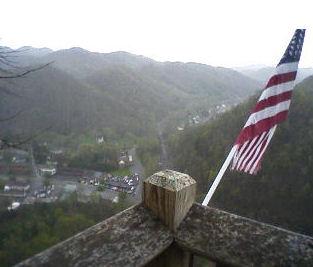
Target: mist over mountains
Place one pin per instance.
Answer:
(262, 73)
(84, 90)
(131, 101)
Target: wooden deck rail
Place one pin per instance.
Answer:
(168, 228)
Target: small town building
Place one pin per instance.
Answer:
(16, 186)
(47, 171)
(56, 151)
(125, 159)
(121, 163)
(100, 139)
(19, 159)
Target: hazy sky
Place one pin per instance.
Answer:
(220, 33)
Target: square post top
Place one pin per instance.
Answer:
(171, 180)
(169, 195)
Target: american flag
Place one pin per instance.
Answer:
(271, 109)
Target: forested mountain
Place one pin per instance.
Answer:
(282, 192)
(50, 97)
(37, 227)
(82, 90)
(175, 77)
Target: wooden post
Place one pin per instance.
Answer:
(169, 195)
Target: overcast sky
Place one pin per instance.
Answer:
(220, 33)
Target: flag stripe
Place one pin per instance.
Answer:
(271, 109)
(261, 126)
(244, 153)
(267, 112)
(272, 101)
(256, 165)
(281, 78)
(277, 89)
(287, 67)
(246, 158)
(238, 153)
(256, 153)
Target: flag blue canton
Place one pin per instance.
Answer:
(293, 51)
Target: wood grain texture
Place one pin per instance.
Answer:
(131, 238)
(169, 195)
(238, 241)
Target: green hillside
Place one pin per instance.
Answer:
(50, 97)
(282, 192)
(119, 92)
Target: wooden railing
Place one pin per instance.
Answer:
(168, 228)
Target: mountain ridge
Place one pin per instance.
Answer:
(120, 90)
(263, 73)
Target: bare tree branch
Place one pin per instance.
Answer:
(8, 58)
(8, 63)
(4, 143)
(11, 117)
(26, 72)
(10, 70)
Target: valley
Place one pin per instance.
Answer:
(99, 124)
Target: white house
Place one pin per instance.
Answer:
(121, 163)
(18, 186)
(47, 171)
(100, 139)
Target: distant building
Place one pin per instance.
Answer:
(16, 156)
(56, 151)
(16, 189)
(18, 159)
(125, 159)
(16, 186)
(196, 119)
(100, 139)
(47, 171)
(121, 163)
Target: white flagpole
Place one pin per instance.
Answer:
(219, 176)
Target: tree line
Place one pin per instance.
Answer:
(33, 228)
(282, 192)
